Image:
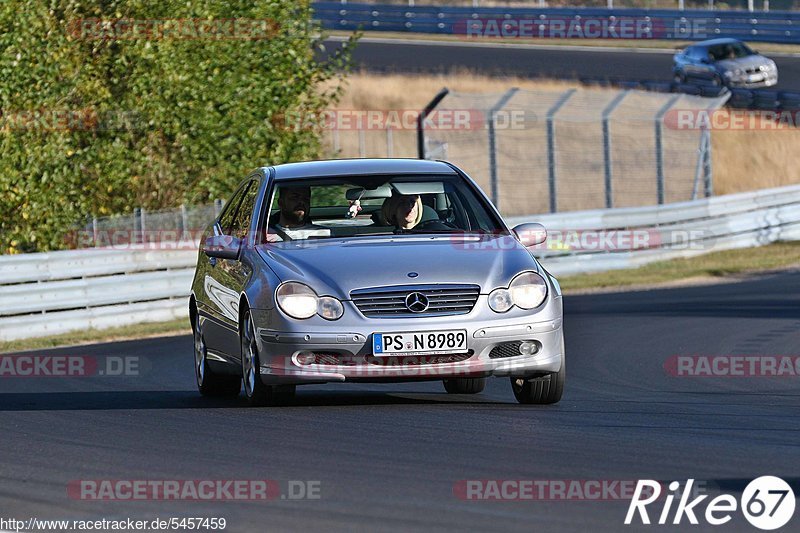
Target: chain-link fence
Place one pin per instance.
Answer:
(554, 150)
(142, 226)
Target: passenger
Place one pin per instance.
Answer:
(293, 219)
(402, 210)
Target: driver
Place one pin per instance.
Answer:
(292, 219)
(403, 210)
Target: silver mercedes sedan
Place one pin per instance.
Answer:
(371, 270)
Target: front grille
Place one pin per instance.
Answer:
(442, 299)
(507, 349)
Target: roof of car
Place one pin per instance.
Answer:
(359, 167)
(714, 42)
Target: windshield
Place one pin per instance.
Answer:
(354, 206)
(729, 51)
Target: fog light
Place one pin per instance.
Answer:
(305, 358)
(529, 348)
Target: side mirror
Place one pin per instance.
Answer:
(222, 246)
(531, 234)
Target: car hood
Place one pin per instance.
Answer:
(335, 267)
(744, 62)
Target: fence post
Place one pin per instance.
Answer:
(362, 143)
(389, 141)
(607, 147)
(184, 221)
(551, 148)
(421, 121)
(708, 177)
(660, 149)
(495, 186)
(137, 225)
(337, 146)
(217, 207)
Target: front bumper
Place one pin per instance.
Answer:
(745, 82)
(280, 346)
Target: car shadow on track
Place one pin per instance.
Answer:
(111, 400)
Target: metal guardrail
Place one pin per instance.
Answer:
(772, 26)
(683, 229)
(51, 293)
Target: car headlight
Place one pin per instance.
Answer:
(527, 291)
(329, 308)
(300, 301)
(500, 300)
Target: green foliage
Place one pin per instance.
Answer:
(96, 125)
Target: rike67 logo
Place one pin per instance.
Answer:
(767, 503)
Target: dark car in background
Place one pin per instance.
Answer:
(727, 62)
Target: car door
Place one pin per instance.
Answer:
(695, 68)
(224, 278)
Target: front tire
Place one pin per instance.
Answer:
(464, 385)
(541, 390)
(257, 393)
(210, 383)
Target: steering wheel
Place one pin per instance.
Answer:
(436, 221)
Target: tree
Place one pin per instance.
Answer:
(135, 103)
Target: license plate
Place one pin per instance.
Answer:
(420, 342)
(755, 77)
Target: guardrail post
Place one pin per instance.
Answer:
(95, 236)
(659, 120)
(421, 121)
(551, 148)
(495, 186)
(607, 147)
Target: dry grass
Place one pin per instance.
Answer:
(743, 160)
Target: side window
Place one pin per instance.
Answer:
(241, 222)
(229, 212)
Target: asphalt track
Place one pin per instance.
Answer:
(388, 456)
(395, 55)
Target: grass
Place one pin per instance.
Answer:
(717, 265)
(709, 266)
(604, 43)
(743, 160)
(135, 331)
